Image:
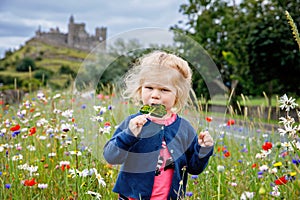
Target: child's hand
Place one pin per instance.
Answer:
(205, 139)
(136, 124)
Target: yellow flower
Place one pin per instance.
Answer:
(293, 173)
(278, 164)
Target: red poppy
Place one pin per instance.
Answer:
(15, 128)
(73, 119)
(63, 167)
(230, 122)
(254, 165)
(281, 181)
(32, 130)
(30, 182)
(227, 154)
(223, 149)
(267, 146)
(208, 119)
(31, 110)
(107, 124)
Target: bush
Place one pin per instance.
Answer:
(65, 69)
(32, 84)
(24, 64)
(43, 75)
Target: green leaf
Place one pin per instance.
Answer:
(155, 110)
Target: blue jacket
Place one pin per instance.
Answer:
(138, 156)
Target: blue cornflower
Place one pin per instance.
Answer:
(189, 194)
(15, 133)
(194, 176)
(295, 161)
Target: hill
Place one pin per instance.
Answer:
(56, 66)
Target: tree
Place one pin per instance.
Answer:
(271, 49)
(25, 64)
(214, 25)
(250, 42)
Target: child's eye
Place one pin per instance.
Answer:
(149, 88)
(165, 90)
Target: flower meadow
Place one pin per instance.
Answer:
(51, 148)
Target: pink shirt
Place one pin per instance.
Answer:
(162, 182)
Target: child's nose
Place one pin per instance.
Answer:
(155, 94)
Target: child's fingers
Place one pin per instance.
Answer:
(136, 124)
(205, 139)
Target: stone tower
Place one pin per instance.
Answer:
(71, 31)
(101, 35)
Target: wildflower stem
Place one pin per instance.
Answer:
(76, 157)
(219, 186)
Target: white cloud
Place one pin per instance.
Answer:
(11, 43)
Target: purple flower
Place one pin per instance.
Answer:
(109, 107)
(7, 186)
(189, 194)
(83, 106)
(194, 176)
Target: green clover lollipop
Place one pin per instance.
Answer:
(155, 110)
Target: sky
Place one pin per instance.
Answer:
(20, 19)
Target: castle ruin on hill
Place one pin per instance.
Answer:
(77, 37)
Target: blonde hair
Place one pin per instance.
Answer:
(160, 66)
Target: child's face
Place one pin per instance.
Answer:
(154, 93)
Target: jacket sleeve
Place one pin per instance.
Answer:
(116, 149)
(197, 157)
